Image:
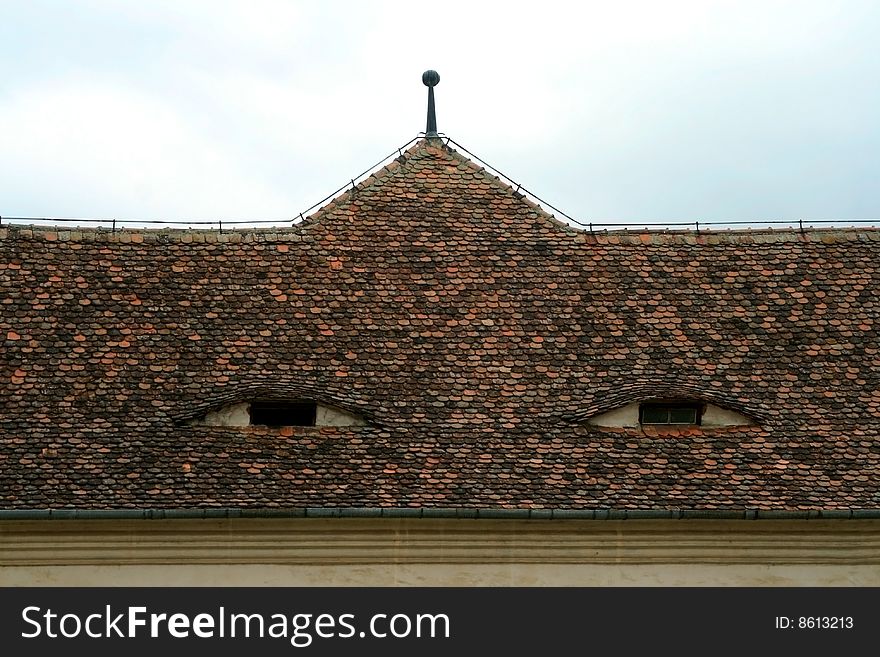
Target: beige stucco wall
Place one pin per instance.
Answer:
(328, 416)
(454, 552)
(443, 575)
(233, 415)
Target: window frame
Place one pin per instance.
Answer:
(670, 406)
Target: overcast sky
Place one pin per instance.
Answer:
(614, 111)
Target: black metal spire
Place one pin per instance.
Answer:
(430, 80)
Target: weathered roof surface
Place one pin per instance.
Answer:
(474, 331)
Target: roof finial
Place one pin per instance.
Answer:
(430, 80)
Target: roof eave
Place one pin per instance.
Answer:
(436, 513)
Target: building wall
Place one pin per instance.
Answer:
(454, 552)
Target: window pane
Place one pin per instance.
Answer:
(654, 415)
(283, 414)
(671, 413)
(682, 416)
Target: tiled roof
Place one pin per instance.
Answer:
(475, 332)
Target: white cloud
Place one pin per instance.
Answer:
(95, 148)
(195, 108)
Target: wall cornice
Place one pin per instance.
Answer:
(329, 541)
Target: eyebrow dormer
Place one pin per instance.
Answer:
(671, 412)
(669, 404)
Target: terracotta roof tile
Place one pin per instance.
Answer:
(476, 334)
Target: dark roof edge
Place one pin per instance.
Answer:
(286, 232)
(463, 513)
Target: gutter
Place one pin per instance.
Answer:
(435, 513)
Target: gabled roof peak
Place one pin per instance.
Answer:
(432, 173)
(432, 183)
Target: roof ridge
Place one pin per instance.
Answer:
(290, 234)
(377, 176)
(495, 179)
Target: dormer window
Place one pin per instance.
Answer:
(671, 413)
(677, 413)
(276, 413)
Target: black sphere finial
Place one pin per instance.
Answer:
(430, 78)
